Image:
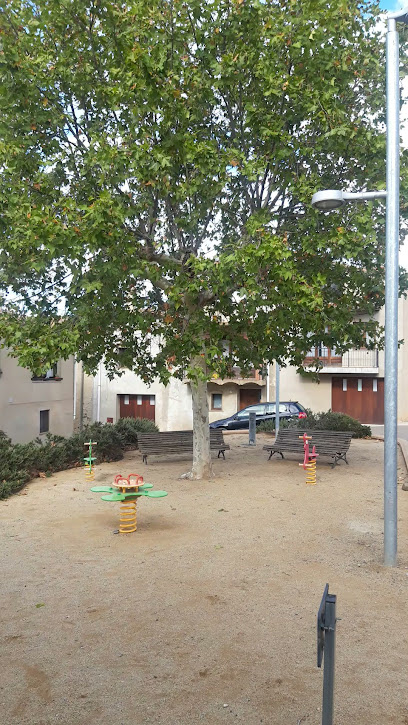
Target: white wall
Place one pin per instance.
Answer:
(173, 409)
(173, 402)
(22, 399)
(316, 396)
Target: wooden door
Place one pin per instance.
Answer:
(137, 406)
(367, 404)
(249, 396)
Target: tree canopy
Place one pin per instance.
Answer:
(158, 161)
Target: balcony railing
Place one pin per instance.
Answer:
(351, 359)
(360, 359)
(251, 374)
(238, 374)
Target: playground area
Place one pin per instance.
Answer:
(207, 613)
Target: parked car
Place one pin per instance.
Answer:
(264, 411)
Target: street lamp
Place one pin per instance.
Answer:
(328, 200)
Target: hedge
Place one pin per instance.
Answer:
(20, 462)
(321, 421)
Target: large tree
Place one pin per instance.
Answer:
(158, 160)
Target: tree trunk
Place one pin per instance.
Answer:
(202, 467)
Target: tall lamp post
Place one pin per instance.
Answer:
(328, 200)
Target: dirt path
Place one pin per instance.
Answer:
(207, 614)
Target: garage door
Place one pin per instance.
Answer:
(137, 406)
(362, 398)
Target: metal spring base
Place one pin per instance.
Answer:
(89, 474)
(128, 522)
(311, 472)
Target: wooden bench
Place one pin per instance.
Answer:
(328, 443)
(177, 441)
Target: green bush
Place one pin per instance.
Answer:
(20, 462)
(321, 421)
(267, 426)
(128, 428)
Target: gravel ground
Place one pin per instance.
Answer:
(207, 614)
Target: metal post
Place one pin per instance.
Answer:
(391, 299)
(277, 395)
(252, 429)
(329, 658)
(81, 399)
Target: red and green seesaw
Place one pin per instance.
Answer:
(127, 491)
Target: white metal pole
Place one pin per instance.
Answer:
(74, 384)
(277, 396)
(267, 384)
(98, 404)
(391, 299)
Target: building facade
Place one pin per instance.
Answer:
(32, 406)
(352, 383)
(170, 407)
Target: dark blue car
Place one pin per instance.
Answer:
(264, 411)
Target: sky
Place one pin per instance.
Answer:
(391, 5)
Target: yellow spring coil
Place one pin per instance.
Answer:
(89, 473)
(311, 472)
(128, 521)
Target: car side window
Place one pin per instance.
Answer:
(293, 408)
(283, 408)
(258, 409)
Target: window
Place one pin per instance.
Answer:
(322, 350)
(126, 400)
(375, 383)
(152, 400)
(344, 385)
(216, 401)
(121, 352)
(360, 384)
(258, 409)
(139, 400)
(44, 421)
(51, 374)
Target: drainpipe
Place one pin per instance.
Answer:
(98, 400)
(268, 397)
(74, 407)
(81, 400)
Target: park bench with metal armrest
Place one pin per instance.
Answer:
(328, 443)
(176, 441)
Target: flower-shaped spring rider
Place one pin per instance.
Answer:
(127, 491)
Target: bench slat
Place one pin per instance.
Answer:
(328, 443)
(173, 442)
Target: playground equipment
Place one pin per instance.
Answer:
(89, 459)
(127, 491)
(309, 461)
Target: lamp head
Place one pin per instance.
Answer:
(328, 200)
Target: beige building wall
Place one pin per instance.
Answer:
(22, 399)
(297, 388)
(173, 404)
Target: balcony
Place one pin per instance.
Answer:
(353, 361)
(252, 376)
